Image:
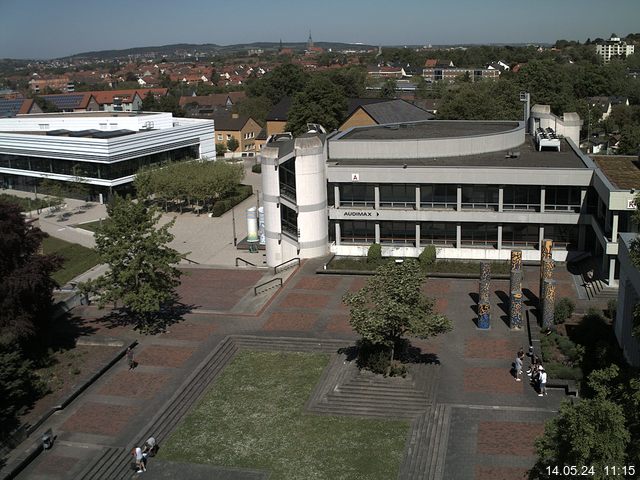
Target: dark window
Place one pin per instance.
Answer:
(357, 232)
(357, 195)
(437, 233)
(289, 221)
(438, 196)
(484, 234)
(398, 195)
(521, 197)
(480, 196)
(398, 233)
(520, 235)
(562, 199)
(563, 236)
(287, 175)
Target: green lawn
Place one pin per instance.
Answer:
(77, 259)
(253, 418)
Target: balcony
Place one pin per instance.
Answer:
(288, 191)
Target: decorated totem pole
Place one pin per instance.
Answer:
(549, 302)
(515, 290)
(484, 303)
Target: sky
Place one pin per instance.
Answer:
(55, 28)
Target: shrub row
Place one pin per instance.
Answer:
(224, 205)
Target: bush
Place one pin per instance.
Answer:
(257, 168)
(374, 254)
(241, 193)
(373, 357)
(563, 310)
(427, 256)
(563, 372)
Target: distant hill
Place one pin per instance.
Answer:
(208, 48)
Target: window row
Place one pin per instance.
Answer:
(485, 197)
(445, 234)
(106, 171)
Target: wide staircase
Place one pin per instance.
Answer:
(592, 279)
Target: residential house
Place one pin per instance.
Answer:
(364, 112)
(606, 104)
(206, 105)
(39, 84)
(614, 47)
(10, 107)
(232, 125)
(73, 102)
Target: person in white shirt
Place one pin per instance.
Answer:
(543, 382)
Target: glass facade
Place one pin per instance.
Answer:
(520, 235)
(105, 171)
(521, 197)
(289, 219)
(398, 233)
(562, 199)
(479, 234)
(438, 196)
(357, 195)
(398, 195)
(357, 232)
(287, 175)
(563, 236)
(438, 233)
(484, 197)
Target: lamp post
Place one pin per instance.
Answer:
(233, 221)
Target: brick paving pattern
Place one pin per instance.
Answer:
(216, 289)
(56, 464)
(491, 380)
(496, 348)
(134, 384)
(508, 438)
(338, 324)
(189, 331)
(318, 284)
(500, 473)
(291, 321)
(163, 356)
(300, 300)
(100, 419)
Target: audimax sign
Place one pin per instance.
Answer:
(360, 213)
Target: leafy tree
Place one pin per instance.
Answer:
(283, 81)
(25, 277)
(388, 89)
(142, 268)
(320, 102)
(233, 144)
(352, 80)
(254, 107)
(488, 100)
(149, 103)
(392, 305)
(629, 140)
(591, 432)
(221, 149)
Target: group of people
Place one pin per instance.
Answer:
(140, 455)
(536, 371)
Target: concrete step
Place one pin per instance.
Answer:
(363, 411)
(103, 465)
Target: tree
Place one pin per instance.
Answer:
(221, 149)
(320, 102)
(283, 81)
(142, 268)
(149, 103)
(392, 305)
(591, 432)
(388, 89)
(482, 101)
(233, 144)
(25, 277)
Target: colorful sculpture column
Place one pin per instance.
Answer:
(546, 270)
(484, 303)
(515, 290)
(549, 303)
(515, 310)
(546, 249)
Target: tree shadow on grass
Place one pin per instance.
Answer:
(151, 324)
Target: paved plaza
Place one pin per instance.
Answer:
(487, 422)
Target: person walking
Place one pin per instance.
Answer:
(139, 459)
(518, 365)
(130, 359)
(543, 382)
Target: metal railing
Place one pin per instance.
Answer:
(287, 264)
(562, 208)
(291, 229)
(191, 261)
(521, 206)
(479, 206)
(411, 204)
(277, 280)
(357, 203)
(287, 191)
(438, 204)
(246, 262)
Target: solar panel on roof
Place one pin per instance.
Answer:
(10, 108)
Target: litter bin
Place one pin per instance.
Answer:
(47, 439)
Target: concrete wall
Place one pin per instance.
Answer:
(628, 297)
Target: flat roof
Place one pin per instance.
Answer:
(428, 129)
(623, 171)
(87, 114)
(529, 157)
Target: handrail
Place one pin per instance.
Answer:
(275, 269)
(247, 262)
(277, 279)
(191, 261)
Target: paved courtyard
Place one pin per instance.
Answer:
(491, 421)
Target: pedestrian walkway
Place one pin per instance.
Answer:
(475, 421)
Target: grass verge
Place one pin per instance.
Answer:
(253, 418)
(77, 259)
(25, 204)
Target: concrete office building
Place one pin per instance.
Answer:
(614, 47)
(475, 189)
(104, 149)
